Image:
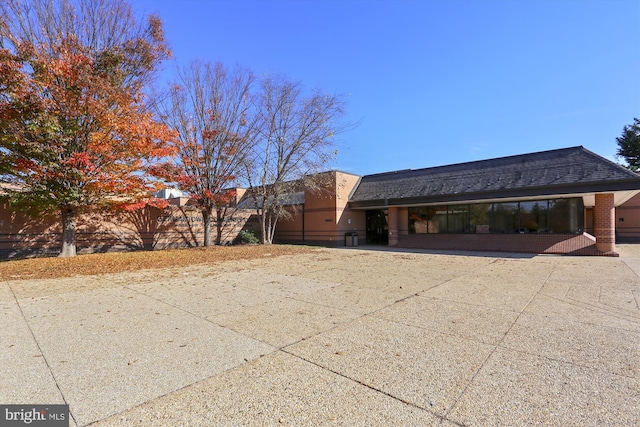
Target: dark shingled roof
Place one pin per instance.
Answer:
(571, 170)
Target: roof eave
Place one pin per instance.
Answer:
(555, 190)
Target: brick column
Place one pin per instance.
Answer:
(393, 226)
(403, 221)
(604, 222)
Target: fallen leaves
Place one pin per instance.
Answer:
(105, 263)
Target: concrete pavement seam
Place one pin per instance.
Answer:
(324, 368)
(200, 317)
(595, 308)
(629, 267)
(498, 344)
(567, 362)
(169, 393)
(44, 357)
(371, 314)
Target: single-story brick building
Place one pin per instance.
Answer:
(565, 201)
(558, 201)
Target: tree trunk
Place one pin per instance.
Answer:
(68, 231)
(272, 227)
(206, 223)
(262, 219)
(267, 228)
(219, 223)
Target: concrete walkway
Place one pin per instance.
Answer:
(335, 337)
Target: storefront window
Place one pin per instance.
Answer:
(417, 220)
(437, 220)
(565, 216)
(504, 218)
(535, 216)
(458, 219)
(479, 217)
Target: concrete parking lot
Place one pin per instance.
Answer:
(354, 336)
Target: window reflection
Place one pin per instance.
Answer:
(437, 220)
(417, 220)
(534, 216)
(504, 218)
(479, 217)
(458, 219)
(563, 215)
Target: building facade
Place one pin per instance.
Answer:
(559, 201)
(566, 201)
(177, 226)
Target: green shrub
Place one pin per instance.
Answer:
(246, 237)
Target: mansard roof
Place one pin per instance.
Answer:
(566, 171)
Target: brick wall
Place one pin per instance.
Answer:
(149, 228)
(628, 221)
(326, 216)
(570, 244)
(604, 225)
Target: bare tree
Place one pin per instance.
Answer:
(293, 140)
(208, 110)
(108, 28)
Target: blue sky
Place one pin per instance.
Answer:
(435, 82)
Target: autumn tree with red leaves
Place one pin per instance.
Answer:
(208, 109)
(74, 130)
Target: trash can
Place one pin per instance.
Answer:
(354, 238)
(348, 239)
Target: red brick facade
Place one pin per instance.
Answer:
(568, 244)
(393, 226)
(324, 219)
(149, 228)
(604, 225)
(628, 221)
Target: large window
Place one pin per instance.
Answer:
(479, 217)
(504, 218)
(418, 220)
(563, 216)
(535, 216)
(437, 222)
(458, 219)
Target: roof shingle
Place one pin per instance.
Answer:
(557, 171)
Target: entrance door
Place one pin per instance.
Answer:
(377, 227)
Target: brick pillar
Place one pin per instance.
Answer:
(393, 226)
(403, 221)
(604, 222)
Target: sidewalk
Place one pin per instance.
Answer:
(334, 337)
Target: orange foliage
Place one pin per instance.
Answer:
(85, 129)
